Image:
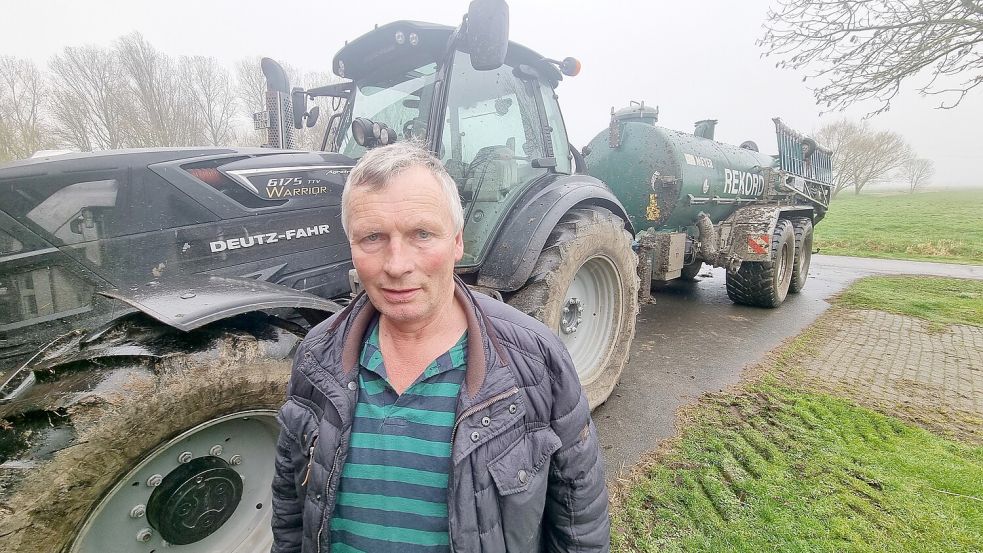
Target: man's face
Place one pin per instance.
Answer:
(404, 247)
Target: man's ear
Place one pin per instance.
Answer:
(459, 246)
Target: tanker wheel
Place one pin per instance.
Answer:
(584, 287)
(186, 465)
(766, 283)
(803, 253)
(689, 272)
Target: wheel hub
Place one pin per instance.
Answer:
(194, 500)
(572, 316)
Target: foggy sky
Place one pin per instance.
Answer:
(695, 60)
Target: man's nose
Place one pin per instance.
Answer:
(400, 259)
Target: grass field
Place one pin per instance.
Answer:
(929, 226)
(938, 300)
(778, 466)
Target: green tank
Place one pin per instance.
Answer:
(666, 178)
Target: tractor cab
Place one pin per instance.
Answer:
(498, 130)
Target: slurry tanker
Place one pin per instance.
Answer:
(694, 200)
(151, 300)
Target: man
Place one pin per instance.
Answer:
(424, 417)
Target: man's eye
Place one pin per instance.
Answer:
(374, 237)
(424, 234)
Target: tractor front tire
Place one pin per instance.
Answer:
(803, 253)
(185, 459)
(766, 283)
(584, 287)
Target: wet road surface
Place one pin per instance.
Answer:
(694, 340)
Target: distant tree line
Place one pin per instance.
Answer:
(864, 156)
(132, 95)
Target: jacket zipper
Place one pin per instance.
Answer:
(467, 413)
(310, 462)
(327, 488)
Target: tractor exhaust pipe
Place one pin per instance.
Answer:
(278, 117)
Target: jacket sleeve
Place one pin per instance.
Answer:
(577, 499)
(288, 508)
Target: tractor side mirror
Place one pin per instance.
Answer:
(312, 116)
(298, 97)
(487, 34)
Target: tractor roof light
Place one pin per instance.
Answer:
(414, 39)
(400, 37)
(386, 136)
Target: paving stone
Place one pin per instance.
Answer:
(905, 367)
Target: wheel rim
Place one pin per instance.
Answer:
(805, 256)
(786, 259)
(210, 488)
(589, 315)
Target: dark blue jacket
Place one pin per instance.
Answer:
(530, 480)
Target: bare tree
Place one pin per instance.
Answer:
(211, 96)
(837, 136)
(918, 172)
(90, 102)
(23, 127)
(864, 49)
(250, 91)
(861, 156)
(250, 86)
(167, 116)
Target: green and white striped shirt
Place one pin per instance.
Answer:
(393, 490)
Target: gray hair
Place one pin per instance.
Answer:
(380, 165)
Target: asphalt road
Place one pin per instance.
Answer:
(694, 340)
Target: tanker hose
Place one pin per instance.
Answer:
(708, 238)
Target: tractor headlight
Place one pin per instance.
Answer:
(361, 130)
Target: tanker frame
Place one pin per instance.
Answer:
(699, 201)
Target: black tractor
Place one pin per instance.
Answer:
(151, 301)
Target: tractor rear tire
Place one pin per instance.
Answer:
(584, 287)
(803, 253)
(98, 494)
(766, 283)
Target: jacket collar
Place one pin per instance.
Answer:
(484, 349)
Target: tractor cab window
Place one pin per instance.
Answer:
(66, 212)
(558, 134)
(398, 99)
(38, 285)
(491, 135)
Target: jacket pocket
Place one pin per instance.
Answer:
(521, 475)
(515, 469)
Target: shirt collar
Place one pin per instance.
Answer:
(370, 357)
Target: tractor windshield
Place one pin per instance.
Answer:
(398, 99)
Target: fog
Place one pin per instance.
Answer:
(695, 60)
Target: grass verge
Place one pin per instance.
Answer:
(938, 300)
(929, 226)
(781, 465)
(774, 469)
